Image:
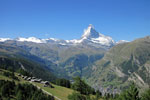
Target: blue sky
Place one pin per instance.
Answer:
(66, 19)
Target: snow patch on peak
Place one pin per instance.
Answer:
(62, 44)
(74, 41)
(53, 39)
(104, 40)
(4, 39)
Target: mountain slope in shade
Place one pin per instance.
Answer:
(121, 64)
(16, 57)
(68, 56)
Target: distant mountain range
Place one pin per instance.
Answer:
(90, 37)
(105, 64)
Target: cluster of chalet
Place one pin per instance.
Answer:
(34, 79)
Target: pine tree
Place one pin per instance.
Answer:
(146, 95)
(76, 96)
(1, 97)
(130, 94)
(98, 94)
(81, 86)
(19, 95)
(133, 93)
(5, 91)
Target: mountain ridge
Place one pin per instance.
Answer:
(90, 36)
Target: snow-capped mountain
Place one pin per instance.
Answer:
(31, 39)
(121, 41)
(4, 39)
(90, 32)
(90, 37)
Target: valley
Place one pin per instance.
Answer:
(106, 65)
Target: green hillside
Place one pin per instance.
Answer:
(58, 91)
(121, 64)
(13, 87)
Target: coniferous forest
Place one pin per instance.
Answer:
(11, 91)
(84, 92)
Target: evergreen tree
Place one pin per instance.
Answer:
(8, 90)
(133, 93)
(50, 97)
(19, 95)
(98, 94)
(5, 90)
(130, 94)
(76, 96)
(146, 95)
(8, 98)
(63, 82)
(17, 88)
(81, 86)
(1, 97)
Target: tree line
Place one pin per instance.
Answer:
(83, 92)
(63, 82)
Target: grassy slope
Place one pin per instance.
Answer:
(58, 91)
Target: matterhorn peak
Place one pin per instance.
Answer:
(92, 36)
(91, 26)
(90, 32)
